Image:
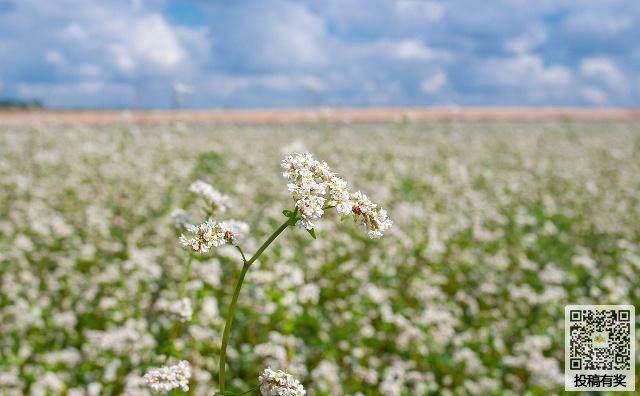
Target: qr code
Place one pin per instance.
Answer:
(600, 347)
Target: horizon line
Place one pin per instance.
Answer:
(313, 115)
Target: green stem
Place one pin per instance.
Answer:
(244, 259)
(234, 300)
(266, 243)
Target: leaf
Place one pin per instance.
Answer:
(312, 232)
(287, 213)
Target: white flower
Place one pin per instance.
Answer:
(213, 197)
(279, 383)
(181, 308)
(166, 378)
(339, 195)
(314, 187)
(211, 234)
(234, 231)
(373, 219)
(179, 218)
(307, 186)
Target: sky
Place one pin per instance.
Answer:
(330, 53)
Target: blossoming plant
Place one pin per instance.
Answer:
(314, 189)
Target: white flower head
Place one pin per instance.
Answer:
(314, 187)
(339, 195)
(307, 186)
(214, 198)
(166, 378)
(234, 231)
(180, 218)
(373, 219)
(279, 383)
(181, 308)
(211, 234)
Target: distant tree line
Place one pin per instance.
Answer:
(20, 104)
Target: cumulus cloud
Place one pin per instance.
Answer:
(605, 70)
(267, 36)
(270, 53)
(79, 53)
(429, 11)
(594, 95)
(434, 83)
(526, 42)
(528, 75)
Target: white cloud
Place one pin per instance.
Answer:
(526, 75)
(225, 85)
(593, 95)
(337, 51)
(88, 70)
(597, 22)
(154, 42)
(528, 41)
(313, 84)
(605, 70)
(434, 83)
(527, 69)
(412, 50)
(138, 43)
(430, 11)
(408, 49)
(55, 58)
(268, 36)
(119, 36)
(78, 93)
(92, 52)
(74, 32)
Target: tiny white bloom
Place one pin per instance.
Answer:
(314, 187)
(372, 218)
(279, 383)
(211, 234)
(214, 198)
(181, 308)
(166, 378)
(180, 218)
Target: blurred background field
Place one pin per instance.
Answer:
(497, 226)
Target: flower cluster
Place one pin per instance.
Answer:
(181, 308)
(307, 185)
(214, 198)
(279, 383)
(212, 234)
(373, 219)
(166, 378)
(180, 218)
(314, 187)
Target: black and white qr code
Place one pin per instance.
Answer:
(600, 347)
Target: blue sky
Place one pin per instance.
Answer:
(279, 53)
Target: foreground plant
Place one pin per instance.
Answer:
(314, 189)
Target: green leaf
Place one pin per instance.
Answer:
(287, 213)
(312, 232)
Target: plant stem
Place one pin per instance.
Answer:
(266, 243)
(244, 259)
(229, 322)
(234, 300)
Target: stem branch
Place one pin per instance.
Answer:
(236, 292)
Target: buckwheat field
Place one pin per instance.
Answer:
(493, 227)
